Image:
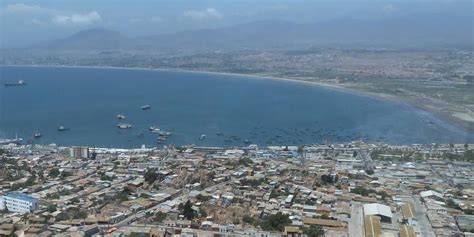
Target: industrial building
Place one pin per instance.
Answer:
(380, 210)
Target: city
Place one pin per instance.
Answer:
(241, 118)
(352, 189)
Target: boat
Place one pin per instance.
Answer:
(164, 134)
(153, 128)
(124, 126)
(161, 139)
(145, 107)
(37, 135)
(202, 137)
(121, 116)
(62, 128)
(18, 83)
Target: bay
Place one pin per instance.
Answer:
(231, 110)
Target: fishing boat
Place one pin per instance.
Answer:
(37, 135)
(18, 83)
(145, 107)
(124, 126)
(164, 134)
(62, 128)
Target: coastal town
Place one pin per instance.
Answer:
(350, 189)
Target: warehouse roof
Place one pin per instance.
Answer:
(372, 226)
(377, 209)
(408, 210)
(407, 231)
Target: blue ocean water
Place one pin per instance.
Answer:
(229, 109)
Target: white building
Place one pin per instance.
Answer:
(2, 203)
(19, 202)
(376, 209)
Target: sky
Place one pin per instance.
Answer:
(26, 22)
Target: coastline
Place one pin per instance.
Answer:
(453, 117)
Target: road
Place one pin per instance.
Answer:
(422, 220)
(356, 223)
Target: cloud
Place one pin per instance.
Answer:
(24, 8)
(77, 19)
(206, 14)
(38, 15)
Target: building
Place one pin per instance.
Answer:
(20, 202)
(465, 222)
(2, 203)
(372, 226)
(430, 194)
(382, 211)
(78, 152)
(408, 213)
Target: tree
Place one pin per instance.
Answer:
(160, 216)
(54, 172)
(51, 208)
(276, 222)
(202, 212)
(188, 211)
(74, 200)
(202, 198)
(65, 174)
(248, 219)
(151, 176)
(325, 216)
(314, 231)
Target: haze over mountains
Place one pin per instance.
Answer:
(436, 32)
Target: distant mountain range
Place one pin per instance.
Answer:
(272, 34)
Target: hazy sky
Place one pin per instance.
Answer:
(26, 22)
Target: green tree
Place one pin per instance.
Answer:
(276, 222)
(248, 219)
(54, 172)
(202, 212)
(151, 176)
(202, 198)
(188, 211)
(160, 216)
(314, 231)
